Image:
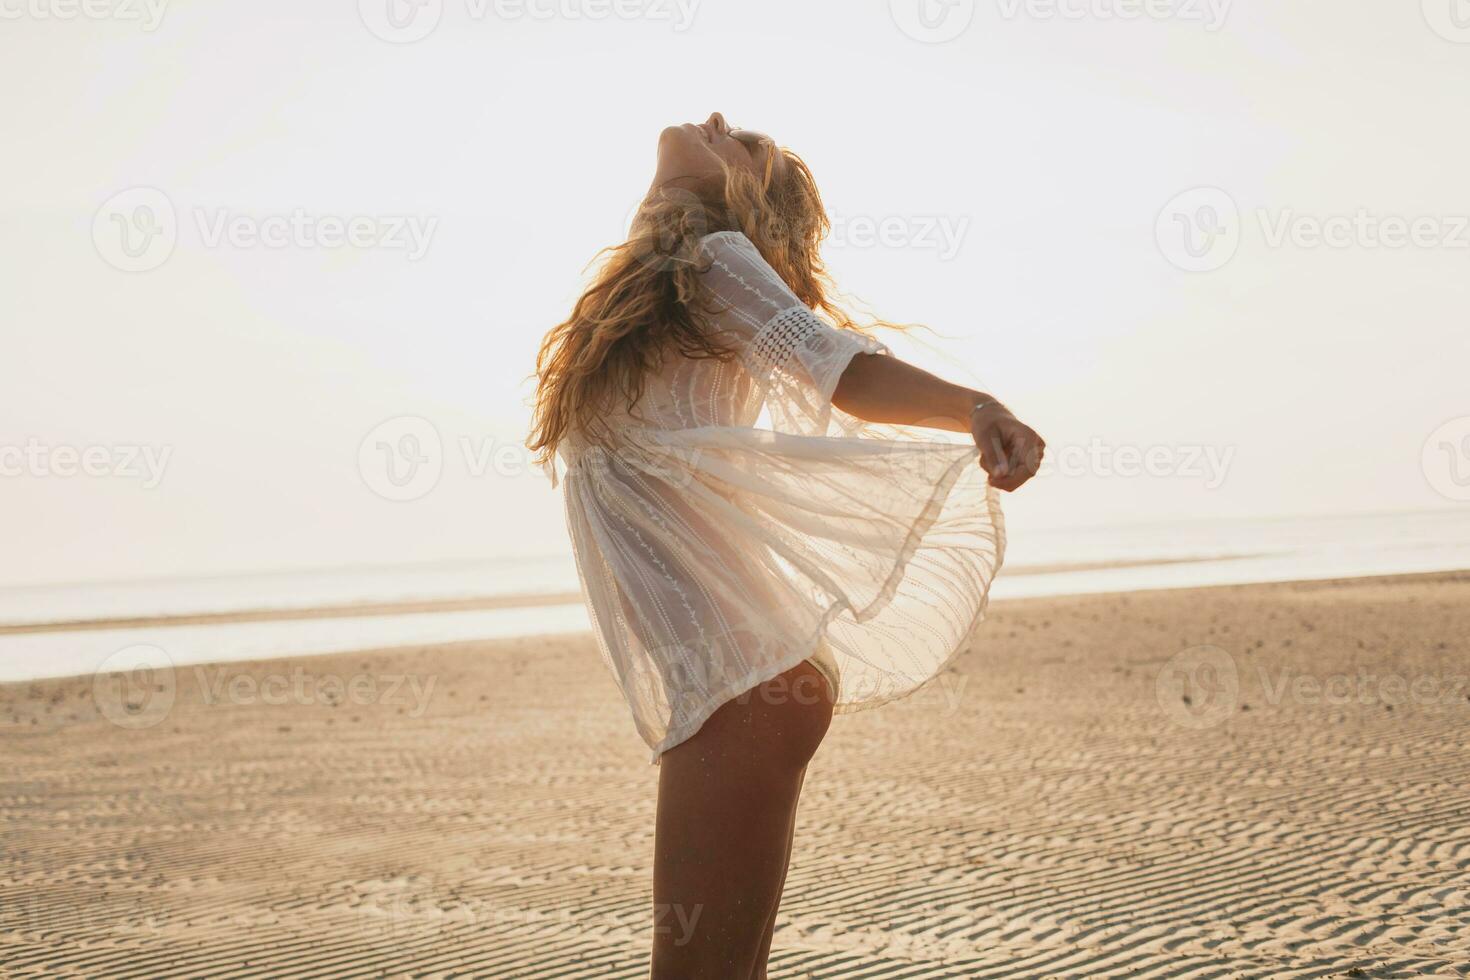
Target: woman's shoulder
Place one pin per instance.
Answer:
(733, 234)
(717, 240)
(731, 253)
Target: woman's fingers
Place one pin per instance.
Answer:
(1001, 463)
(1023, 450)
(1026, 449)
(992, 448)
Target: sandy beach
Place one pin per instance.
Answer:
(1252, 781)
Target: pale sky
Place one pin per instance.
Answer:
(1023, 173)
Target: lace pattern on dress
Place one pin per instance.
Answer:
(776, 345)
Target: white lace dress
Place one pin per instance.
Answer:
(715, 554)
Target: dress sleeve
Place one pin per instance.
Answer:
(796, 357)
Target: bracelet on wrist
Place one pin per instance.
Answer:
(982, 404)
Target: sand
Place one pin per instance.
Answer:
(1052, 807)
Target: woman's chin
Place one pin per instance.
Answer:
(686, 135)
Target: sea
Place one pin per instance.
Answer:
(59, 630)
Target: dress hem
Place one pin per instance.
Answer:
(942, 490)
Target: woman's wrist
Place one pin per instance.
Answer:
(982, 402)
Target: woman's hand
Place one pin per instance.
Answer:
(1010, 451)
(881, 388)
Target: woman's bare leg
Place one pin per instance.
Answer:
(764, 953)
(726, 805)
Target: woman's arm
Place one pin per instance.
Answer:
(879, 388)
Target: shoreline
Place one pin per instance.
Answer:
(370, 608)
(1455, 575)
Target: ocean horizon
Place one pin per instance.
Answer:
(56, 630)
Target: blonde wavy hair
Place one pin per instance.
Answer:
(646, 299)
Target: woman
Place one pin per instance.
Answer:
(749, 576)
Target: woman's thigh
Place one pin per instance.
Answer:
(727, 796)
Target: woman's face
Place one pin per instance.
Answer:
(691, 153)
